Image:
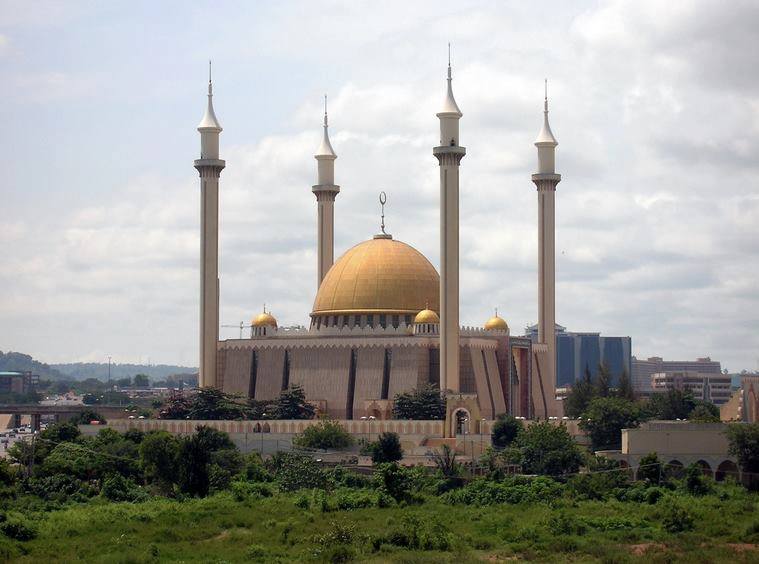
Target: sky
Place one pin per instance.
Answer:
(655, 106)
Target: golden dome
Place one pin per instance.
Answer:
(426, 316)
(264, 319)
(496, 323)
(378, 276)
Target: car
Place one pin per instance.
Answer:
(131, 417)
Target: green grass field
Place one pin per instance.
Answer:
(225, 528)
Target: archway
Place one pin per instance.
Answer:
(705, 468)
(461, 422)
(674, 469)
(727, 469)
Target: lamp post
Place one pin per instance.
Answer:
(371, 418)
(263, 416)
(482, 446)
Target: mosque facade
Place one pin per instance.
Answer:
(384, 321)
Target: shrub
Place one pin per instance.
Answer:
(387, 448)
(340, 477)
(416, 535)
(243, 491)
(695, 481)
(118, 488)
(650, 469)
(505, 430)
(293, 471)
(605, 419)
(18, 528)
(60, 488)
(675, 517)
(545, 448)
(324, 435)
(395, 480)
(254, 469)
(514, 490)
(597, 485)
(423, 403)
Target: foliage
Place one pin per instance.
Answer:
(74, 460)
(604, 479)
(293, 471)
(292, 404)
(117, 488)
(669, 405)
(545, 448)
(505, 430)
(425, 403)
(60, 488)
(387, 448)
(212, 404)
(704, 412)
(416, 534)
(625, 387)
(695, 481)
(17, 528)
(395, 480)
(580, 396)
(141, 381)
(159, 458)
(178, 406)
(676, 518)
(603, 381)
(512, 490)
(445, 461)
(605, 418)
(325, 435)
(744, 445)
(87, 416)
(650, 469)
(195, 457)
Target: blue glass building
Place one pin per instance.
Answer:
(577, 351)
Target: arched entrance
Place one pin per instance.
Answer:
(674, 469)
(705, 468)
(727, 469)
(461, 420)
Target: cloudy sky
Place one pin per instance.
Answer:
(655, 106)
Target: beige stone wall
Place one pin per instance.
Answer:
(270, 366)
(237, 371)
(494, 376)
(370, 364)
(404, 371)
(323, 374)
(673, 438)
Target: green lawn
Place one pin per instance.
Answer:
(222, 529)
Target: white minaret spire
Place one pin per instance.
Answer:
(209, 167)
(546, 180)
(325, 191)
(449, 154)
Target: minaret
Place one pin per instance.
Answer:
(209, 167)
(546, 180)
(449, 154)
(325, 191)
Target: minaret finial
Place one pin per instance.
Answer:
(496, 312)
(545, 100)
(383, 200)
(210, 83)
(449, 60)
(325, 110)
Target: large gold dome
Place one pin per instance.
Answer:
(381, 276)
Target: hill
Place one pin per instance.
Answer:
(20, 362)
(99, 370)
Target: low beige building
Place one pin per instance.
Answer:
(716, 388)
(678, 444)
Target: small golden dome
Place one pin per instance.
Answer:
(264, 319)
(426, 316)
(496, 323)
(380, 275)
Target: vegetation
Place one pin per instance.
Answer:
(604, 419)
(387, 448)
(548, 449)
(326, 434)
(744, 445)
(211, 404)
(425, 403)
(505, 430)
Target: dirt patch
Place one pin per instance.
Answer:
(643, 548)
(740, 548)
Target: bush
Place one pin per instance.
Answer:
(675, 517)
(505, 430)
(18, 528)
(482, 492)
(414, 534)
(650, 469)
(395, 480)
(545, 448)
(324, 435)
(695, 481)
(340, 477)
(387, 448)
(243, 491)
(293, 471)
(118, 488)
(423, 403)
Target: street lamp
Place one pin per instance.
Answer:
(263, 416)
(371, 418)
(482, 424)
(364, 418)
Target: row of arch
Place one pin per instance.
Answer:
(676, 469)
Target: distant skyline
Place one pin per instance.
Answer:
(655, 107)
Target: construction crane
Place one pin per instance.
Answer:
(241, 327)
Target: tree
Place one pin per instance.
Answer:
(704, 412)
(292, 404)
(603, 381)
(210, 404)
(445, 460)
(195, 456)
(141, 381)
(650, 469)
(387, 448)
(672, 404)
(744, 446)
(90, 399)
(425, 403)
(324, 435)
(546, 448)
(177, 407)
(87, 416)
(580, 396)
(625, 387)
(159, 458)
(505, 430)
(124, 382)
(605, 418)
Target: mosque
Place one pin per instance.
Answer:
(384, 321)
